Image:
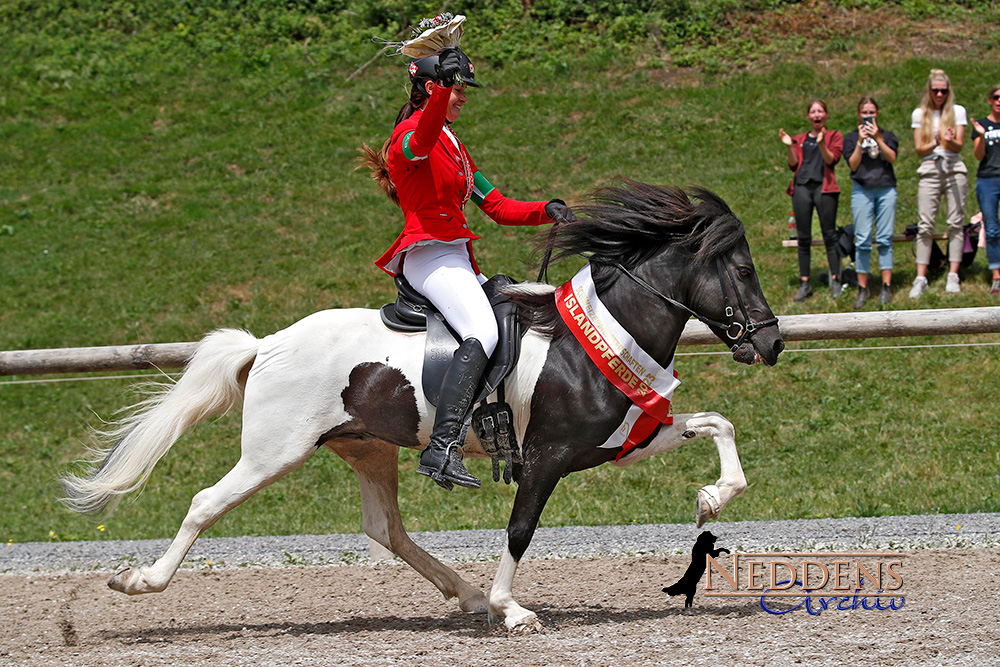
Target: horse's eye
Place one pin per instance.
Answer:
(744, 272)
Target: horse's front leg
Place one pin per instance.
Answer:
(534, 488)
(714, 497)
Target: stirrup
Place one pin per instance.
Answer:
(440, 472)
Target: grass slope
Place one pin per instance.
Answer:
(164, 197)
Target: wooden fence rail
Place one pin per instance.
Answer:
(828, 326)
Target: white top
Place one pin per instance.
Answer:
(916, 119)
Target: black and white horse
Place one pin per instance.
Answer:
(340, 379)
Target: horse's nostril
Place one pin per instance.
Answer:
(779, 346)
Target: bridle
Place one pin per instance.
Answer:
(743, 331)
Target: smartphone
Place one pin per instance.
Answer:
(868, 120)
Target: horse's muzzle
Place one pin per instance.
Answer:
(763, 348)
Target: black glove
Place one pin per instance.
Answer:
(559, 212)
(447, 66)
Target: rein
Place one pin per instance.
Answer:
(743, 333)
(543, 270)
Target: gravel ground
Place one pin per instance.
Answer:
(317, 600)
(887, 532)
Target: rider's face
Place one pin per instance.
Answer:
(455, 103)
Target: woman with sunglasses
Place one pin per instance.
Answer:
(812, 156)
(938, 133)
(986, 146)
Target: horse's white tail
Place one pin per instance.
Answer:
(128, 448)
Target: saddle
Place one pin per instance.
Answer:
(493, 423)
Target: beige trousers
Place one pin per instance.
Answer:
(937, 180)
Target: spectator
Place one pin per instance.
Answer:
(986, 146)
(871, 152)
(938, 133)
(812, 156)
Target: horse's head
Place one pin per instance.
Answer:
(725, 294)
(689, 252)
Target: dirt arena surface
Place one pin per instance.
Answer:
(607, 611)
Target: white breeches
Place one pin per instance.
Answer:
(443, 273)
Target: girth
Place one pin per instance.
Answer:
(412, 312)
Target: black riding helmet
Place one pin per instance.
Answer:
(427, 67)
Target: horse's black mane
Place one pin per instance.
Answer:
(630, 222)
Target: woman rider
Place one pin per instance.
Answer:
(427, 171)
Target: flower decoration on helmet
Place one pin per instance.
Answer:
(430, 36)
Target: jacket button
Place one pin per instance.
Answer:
(465, 226)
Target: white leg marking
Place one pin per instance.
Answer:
(713, 498)
(516, 618)
(207, 507)
(270, 450)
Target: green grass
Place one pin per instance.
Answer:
(162, 198)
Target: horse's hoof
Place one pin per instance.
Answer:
(119, 581)
(133, 582)
(525, 625)
(708, 505)
(475, 604)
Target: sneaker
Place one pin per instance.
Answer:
(836, 289)
(805, 291)
(952, 286)
(919, 287)
(886, 295)
(862, 297)
(995, 288)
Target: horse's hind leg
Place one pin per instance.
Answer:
(713, 497)
(376, 466)
(262, 462)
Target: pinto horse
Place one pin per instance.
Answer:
(340, 379)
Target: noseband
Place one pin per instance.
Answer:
(737, 332)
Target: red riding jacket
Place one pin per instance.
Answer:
(435, 177)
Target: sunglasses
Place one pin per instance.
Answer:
(939, 91)
(995, 97)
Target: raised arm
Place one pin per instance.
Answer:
(979, 141)
(831, 146)
(792, 157)
(418, 143)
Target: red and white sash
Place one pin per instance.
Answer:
(620, 359)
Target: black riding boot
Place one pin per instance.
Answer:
(441, 460)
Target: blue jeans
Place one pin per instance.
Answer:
(988, 196)
(873, 207)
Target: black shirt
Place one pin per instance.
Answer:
(873, 172)
(989, 167)
(811, 169)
